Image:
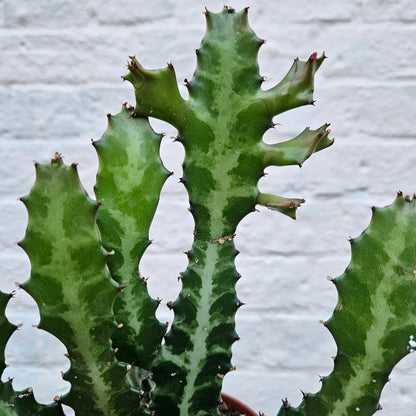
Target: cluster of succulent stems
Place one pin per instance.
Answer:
(85, 254)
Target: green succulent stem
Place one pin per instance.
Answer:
(129, 181)
(295, 89)
(221, 127)
(373, 323)
(161, 91)
(287, 206)
(73, 289)
(298, 149)
(196, 354)
(85, 255)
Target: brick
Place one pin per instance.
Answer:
(369, 53)
(66, 57)
(163, 272)
(28, 345)
(279, 342)
(264, 391)
(289, 283)
(57, 112)
(45, 13)
(12, 213)
(46, 382)
(307, 12)
(364, 161)
(35, 121)
(398, 395)
(383, 112)
(321, 227)
(14, 267)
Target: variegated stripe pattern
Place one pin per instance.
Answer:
(221, 127)
(129, 180)
(374, 322)
(73, 289)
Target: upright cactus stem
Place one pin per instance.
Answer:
(374, 321)
(73, 289)
(129, 167)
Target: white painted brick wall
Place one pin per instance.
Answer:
(60, 68)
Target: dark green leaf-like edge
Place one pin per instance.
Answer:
(129, 181)
(374, 322)
(71, 284)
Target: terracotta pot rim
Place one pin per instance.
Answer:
(237, 405)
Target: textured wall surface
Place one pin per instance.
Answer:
(60, 68)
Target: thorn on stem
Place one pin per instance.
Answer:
(121, 287)
(314, 57)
